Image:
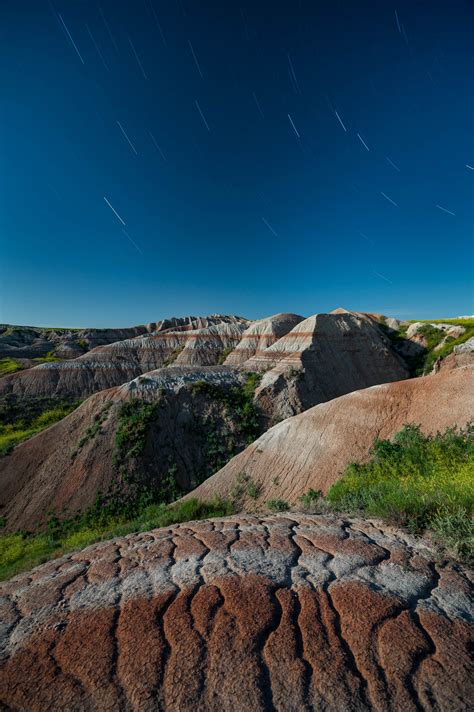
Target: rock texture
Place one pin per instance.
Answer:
(34, 342)
(260, 335)
(311, 450)
(199, 342)
(321, 358)
(283, 613)
(462, 355)
(63, 468)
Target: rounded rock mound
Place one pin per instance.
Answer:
(291, 612)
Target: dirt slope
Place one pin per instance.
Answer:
(312, 449)
(188, 437)
(283, 613)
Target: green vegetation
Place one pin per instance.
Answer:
(83, 344)
(172, 356)
(14, 432)
(47, 358)
(433, 355)
(9, 365)
(311, 499)
(134, 419)
(239, 402)
(278, 505)
(422, 363)
(93, 429)
(219, 445)
(244, 485)
(223, 355)
(421, 482)
(21, 551)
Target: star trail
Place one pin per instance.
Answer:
(335, 122)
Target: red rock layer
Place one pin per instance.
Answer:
(285, 613)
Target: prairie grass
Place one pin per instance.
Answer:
(13, 433)
(417, 481)
(9, 365)
(22, 551)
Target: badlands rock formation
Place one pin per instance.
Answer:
(311, 450)
(190, 436)
(283, 613)
(321, 358)
(34, 342)
(199, 342)
(260, 335)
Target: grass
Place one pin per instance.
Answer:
(9, 365)
(21, 551)
(417, 481)
(47, 358)
(15, 432)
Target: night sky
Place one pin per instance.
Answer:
(169, 157)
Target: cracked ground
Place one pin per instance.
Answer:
(289, 612)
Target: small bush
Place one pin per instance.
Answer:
(311, 498)
(254, 489)
(278, 505)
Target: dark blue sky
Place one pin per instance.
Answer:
(268, 201)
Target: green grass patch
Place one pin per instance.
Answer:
(14, 432)
(417, 481)
(47, 358)
(21, 551)
(9, 365)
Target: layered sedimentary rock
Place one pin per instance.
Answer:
(311, 450)
(283, 613)
(188, 436)
(34, 342)
(321, 358)
(119, 362)
(260, 335)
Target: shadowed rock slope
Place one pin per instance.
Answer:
(283, 613)
(321, 358)
(311, 450)
(182, 425)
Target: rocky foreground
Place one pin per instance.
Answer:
(293, 612)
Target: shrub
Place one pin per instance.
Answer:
(134, 419)
(310, 499)
(278, 505)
